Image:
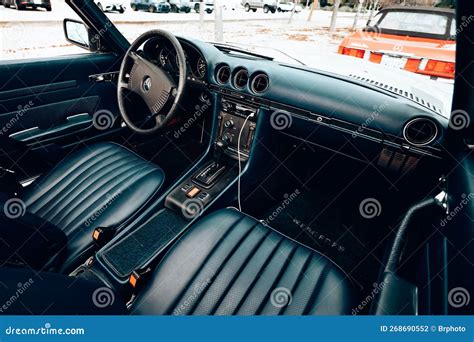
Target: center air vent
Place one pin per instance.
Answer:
(241, 78)
(260, 83)
(420, 132)
(223, 74)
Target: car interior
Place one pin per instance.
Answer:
(193, 178)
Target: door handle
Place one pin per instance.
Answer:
(74, 123)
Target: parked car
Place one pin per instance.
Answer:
(231, 5)
(266, 5)
(417, 39)
(152, 6)
(288, 6)
(110, 6)
(208, 5)
(180, 6)
(23, 4)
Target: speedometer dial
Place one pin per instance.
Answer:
(164, 57)
(201, 67)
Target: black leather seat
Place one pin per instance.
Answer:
(231, 264)
(104, 185)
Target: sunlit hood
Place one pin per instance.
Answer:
(437, 92)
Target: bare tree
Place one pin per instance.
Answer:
(201, 14)
(314, 5)
(218, 22)
(360, 5)
(335, 9)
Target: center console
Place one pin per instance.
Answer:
(234, 118)
(236, 131)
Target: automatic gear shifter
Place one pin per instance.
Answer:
(219, 148)
(212, 171)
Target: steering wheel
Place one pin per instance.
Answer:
(153, 84)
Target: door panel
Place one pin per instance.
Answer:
(52, 100)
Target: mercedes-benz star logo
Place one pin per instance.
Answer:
(147, 83)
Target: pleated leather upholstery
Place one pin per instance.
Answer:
(103, 185)
(231, 264)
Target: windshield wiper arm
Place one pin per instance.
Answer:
(230, 48)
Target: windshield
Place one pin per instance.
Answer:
(312, 35)
(318, 38)
(421, 22)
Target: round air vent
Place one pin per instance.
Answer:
(241, 78)
(223, 74)
(260, 83)
(420, 132)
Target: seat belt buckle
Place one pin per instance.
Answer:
(137, 278)
(102, 235)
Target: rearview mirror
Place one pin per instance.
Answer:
(79, 34)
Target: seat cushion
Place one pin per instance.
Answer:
(231, 264)
(28, 292)
(102, 185)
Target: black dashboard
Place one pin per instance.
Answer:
(381, 125)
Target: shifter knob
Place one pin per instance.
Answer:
(219, 147)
